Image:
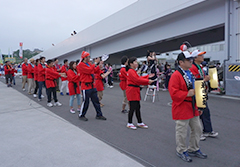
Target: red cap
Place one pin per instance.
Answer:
(84, 54)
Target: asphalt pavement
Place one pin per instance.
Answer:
(150, 147)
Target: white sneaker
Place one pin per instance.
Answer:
(142, 125)
(164, 89)
(131, 126)
(49, 104)
(34, 95)
(23, 89)
(202, 138)
(210, 134)
(72, 111)
(111, 86)
(57, 104)
(42, 96)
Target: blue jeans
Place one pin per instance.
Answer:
(206, 120)
(41, 84)
(90, 93)
(13, 78)
(72, 99)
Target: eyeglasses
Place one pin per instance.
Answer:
(189, 59)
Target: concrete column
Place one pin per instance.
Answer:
(232, 47)
(238, 32)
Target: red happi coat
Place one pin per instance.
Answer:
(98, 81)
(195, 71)
(133, 93)
(123, 78)
(73, 82)
(13, 71)
(51, 75)
(30, 71)
(64, 69)
(24, 69)
(181, 104)
(35, 73)
(86, 75)
(41, 73)
(7, 69)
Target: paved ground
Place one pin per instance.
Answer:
(33, 136)
(156, 146)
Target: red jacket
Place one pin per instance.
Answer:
(7, 69)
(73, 82)
(64, 69)
(133, 93)
(87, 75)
(13, 71)
(24, 69)
(51, 75)
(98, 81)
(41, 73)
(123, 78)
(30, 71)
(195, 71)
(181, 104)
(35, 73)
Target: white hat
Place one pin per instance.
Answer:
(196, 53)
(187, 54)
(184, 55)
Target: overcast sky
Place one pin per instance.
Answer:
(41, 23)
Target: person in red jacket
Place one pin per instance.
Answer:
(24, 73)
(30, 76)
(58, 69)
(13, 73)
(99, 76)
(41, 77)
(8, 75)
(36, 77)
(73, 86)
(184, 110)
(87, 71)
(198, 72)
(64, 69)
(133, 92)
(51, 76)
(123, 82)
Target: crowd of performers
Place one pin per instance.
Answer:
(84, 80)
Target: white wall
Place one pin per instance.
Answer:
(174, 26)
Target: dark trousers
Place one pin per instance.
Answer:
(41, 84)
(8, 77)
(134, 106)
(155, 82)
(36, 87)
(167, 81)
(57, 87)
(51, 91)
(206, 120)
(110, 80)
(90, 93)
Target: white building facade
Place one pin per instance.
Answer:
(162, 26)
